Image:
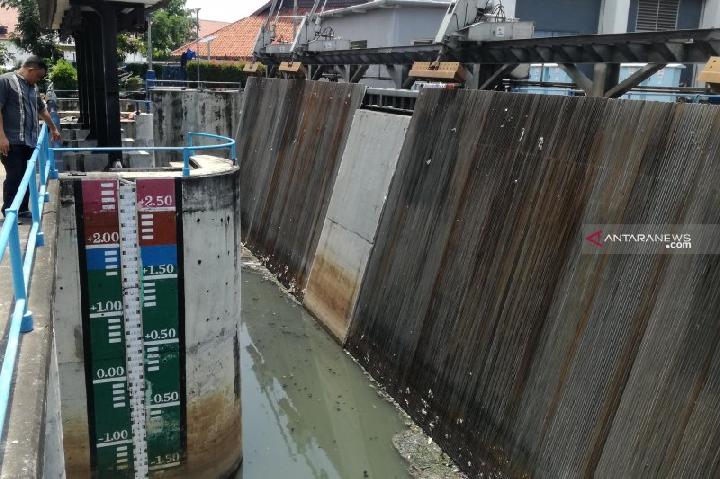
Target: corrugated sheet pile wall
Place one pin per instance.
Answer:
(291, 140)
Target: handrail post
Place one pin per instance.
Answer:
(41, 162)
(186, 162)
(233, 154)
(44, 158)
(50, 154)
(35, 204)
(16, 266)
(186, 154)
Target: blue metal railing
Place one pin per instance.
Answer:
(187, 151)
(40, 168)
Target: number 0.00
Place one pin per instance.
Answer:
(111, 372)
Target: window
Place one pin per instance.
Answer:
(3, 30)
(656, 15)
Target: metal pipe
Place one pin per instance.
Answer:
(197, 43)
(149, 47)
(229, 144)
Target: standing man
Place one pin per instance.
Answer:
(20, 109)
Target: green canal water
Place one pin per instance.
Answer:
(309, 411)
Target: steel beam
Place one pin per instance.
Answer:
(359, 73)
(606, 77)
(497, 76)
(634, 80)
(577, 76)
(676, 46)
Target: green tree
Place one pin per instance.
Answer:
(63, 75)
(172, 27)
(4, 54)
(30, 35)
(128, 44)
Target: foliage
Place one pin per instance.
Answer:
(217, 71)
(63, 75)
(139, 69)
(172, 27)
(128, 44)
(29, 34)
(132, 83)
(4, 54)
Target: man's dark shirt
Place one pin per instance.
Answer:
(20, 104)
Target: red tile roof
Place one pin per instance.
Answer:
(8, 19)
(308, 4)
(237, 40)
(210, 26)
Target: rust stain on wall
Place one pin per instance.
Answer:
(331, 298)
(214, 436)
(292, 135)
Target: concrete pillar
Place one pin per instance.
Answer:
(710, 14)
(203, 298)
(144, 130)
(614, 16)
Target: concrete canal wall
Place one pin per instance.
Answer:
(178, 112)
(348, 232)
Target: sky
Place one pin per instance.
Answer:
(225, 10)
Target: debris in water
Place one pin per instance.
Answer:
(425, 458)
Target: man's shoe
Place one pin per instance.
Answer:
(25, 214)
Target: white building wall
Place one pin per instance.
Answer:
(614, 16)
(711, 14)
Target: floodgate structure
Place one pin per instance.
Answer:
(445, 251)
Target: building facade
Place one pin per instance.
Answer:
(574, 17)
